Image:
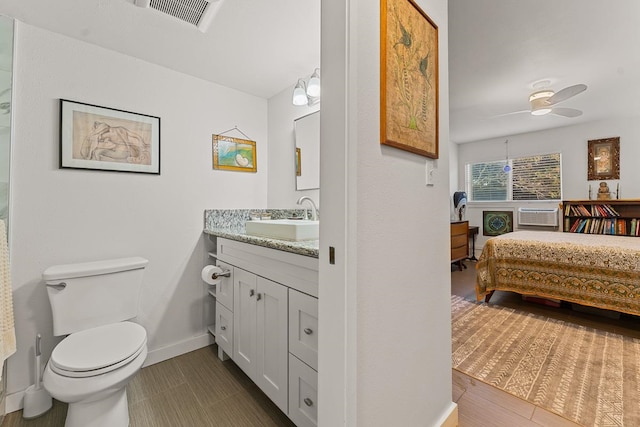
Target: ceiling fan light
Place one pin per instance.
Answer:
(541, 111)
(541, 94)
(299, 94)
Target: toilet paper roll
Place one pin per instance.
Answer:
(207, 274)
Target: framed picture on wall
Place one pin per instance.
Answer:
(234, 154)
(604, 159)
(108, 139)
(495, 223)
(408, 78)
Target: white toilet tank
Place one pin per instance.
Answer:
(91, 294)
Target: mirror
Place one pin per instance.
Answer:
(6, 67)
(307, 151)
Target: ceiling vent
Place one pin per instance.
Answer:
(199, 13)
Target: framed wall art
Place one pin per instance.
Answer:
(408, 78)
(298, 162)
(234, 154)
(495, 223)
(108, 139)
(603, 159)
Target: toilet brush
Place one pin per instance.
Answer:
(37, 400)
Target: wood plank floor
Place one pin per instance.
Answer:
(192, 390)
(197, 389)
(481, 405)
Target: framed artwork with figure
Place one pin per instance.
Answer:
(604, 159)
(108, 139)
(408, 78)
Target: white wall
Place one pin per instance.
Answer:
(391, 280)
(282, 191)
(65, 216)
(572, 143)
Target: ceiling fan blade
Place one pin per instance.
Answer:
(566, 112)
(510, 114)
(566, 93)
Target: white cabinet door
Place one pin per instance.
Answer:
(303, 327)
(244, 321)
(224, 291)
(303, 393)
(272, 375)
(224, 328)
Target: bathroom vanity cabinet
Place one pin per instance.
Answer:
(260, 333)
(267, 322)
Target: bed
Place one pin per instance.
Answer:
(589, 269)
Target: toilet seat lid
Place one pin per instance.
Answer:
(98, 350)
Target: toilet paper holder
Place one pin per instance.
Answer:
(225, 273)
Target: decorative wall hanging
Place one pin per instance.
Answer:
(495, 223)
(604, 159)
(101, 138)
(408, 78)
(234, 154)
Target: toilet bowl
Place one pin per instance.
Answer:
(90, 370)
(92, 305)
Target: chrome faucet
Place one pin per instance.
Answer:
(314, 209)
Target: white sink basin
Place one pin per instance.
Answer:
(284, 229)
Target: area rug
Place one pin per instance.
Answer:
(588, 376)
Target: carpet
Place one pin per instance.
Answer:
(588, 376)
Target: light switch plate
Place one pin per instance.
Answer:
(430, 171)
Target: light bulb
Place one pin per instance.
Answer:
(299, 94)
(313, 88)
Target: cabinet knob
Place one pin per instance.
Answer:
(308, 331)
(308, 401)
(223, 328)
(259, 296)
(251, 292)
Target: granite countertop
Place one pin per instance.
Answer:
(307, 248)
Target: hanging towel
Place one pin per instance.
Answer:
(7, 330)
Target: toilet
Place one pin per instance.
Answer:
(92, 303)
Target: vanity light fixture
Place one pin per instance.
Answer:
(307, 93)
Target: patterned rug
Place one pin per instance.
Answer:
(586, 375)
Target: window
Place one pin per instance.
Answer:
(529, 178)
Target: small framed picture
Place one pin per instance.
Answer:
(234, 154)
(604, 159)
(108, 139)
(495, 223)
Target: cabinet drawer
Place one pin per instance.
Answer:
(458, 253)
(459, 241)
(459, 228)
(303, 393)
(224, 328)
(303, 327)
(224, 293)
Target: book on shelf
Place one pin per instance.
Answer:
(594, 210)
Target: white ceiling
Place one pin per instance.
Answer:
(498, 50)
(257, 46)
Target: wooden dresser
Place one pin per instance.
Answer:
(459, 242)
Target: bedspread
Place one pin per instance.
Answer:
(595, 270)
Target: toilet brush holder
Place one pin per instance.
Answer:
(37, 400)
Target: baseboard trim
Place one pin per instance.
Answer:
(15, 401)
(176, 349)
(451, 418)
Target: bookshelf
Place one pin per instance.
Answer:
(618, 217)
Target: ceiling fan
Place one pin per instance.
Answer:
(544, 101)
